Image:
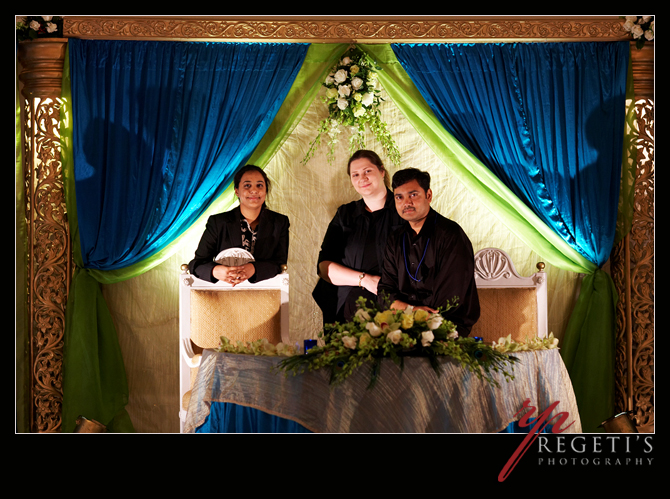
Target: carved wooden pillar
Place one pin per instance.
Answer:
(48, 242)
(633, 264)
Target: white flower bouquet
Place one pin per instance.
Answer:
(375, 334)
(507, 344)
(353, 99)
(258, 347)
(641, 28)
(31, 27)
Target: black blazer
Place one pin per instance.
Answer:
(224, 231)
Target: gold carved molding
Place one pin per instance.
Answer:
(643, 70)
(633, 273)
(348, 30)
(48, 256)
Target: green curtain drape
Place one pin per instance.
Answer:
(94, 379)
(588, 348)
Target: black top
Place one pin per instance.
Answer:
(432, 267)
(224, 231)
(355, 238)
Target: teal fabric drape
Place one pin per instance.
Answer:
(546, 118)
(159, 128)
(548, 121)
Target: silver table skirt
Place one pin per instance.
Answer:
(414, 400)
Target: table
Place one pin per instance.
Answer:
(413, 400)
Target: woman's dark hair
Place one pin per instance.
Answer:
(374, 158)
(401, 177)
(251, 168)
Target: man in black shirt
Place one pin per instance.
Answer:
(429, 261)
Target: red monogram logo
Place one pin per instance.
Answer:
(538, 425)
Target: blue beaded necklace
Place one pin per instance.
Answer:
(404, 255)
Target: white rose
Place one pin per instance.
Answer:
(374, 329)
(362, 315)
(394, 336)
(356, 83)
(331, 93)
(359, 111)
(427, 338)
(367, 99)
(285, 350)
(34, 25)
(51, 27)
(434, 321)
(649, 34)
(344, 90)
(637, 31)
(47, 18)
(346, 61)
(453, 336)
(342, 103)
(349, 342)
(340, 76)
(329, 79)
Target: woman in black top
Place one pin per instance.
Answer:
(250, 226)
(352, 252)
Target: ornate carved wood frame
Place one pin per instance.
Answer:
(48, 258)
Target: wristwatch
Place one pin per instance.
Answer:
(360, 278)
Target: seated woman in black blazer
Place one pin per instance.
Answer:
(250, 226)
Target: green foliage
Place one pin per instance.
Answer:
(353, 99)
(374, 334)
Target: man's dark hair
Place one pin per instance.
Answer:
(401, 177)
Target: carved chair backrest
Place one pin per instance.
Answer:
(509, 303)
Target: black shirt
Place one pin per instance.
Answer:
(355, 238)
(432, 267)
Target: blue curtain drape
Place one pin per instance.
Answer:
(159, 130)
(548, 120)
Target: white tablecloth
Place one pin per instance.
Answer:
(413, 400)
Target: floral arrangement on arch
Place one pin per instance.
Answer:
(32, 27)
(641, 27)
(353, 99)
(375, 334)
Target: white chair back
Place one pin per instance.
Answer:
(509, 303)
